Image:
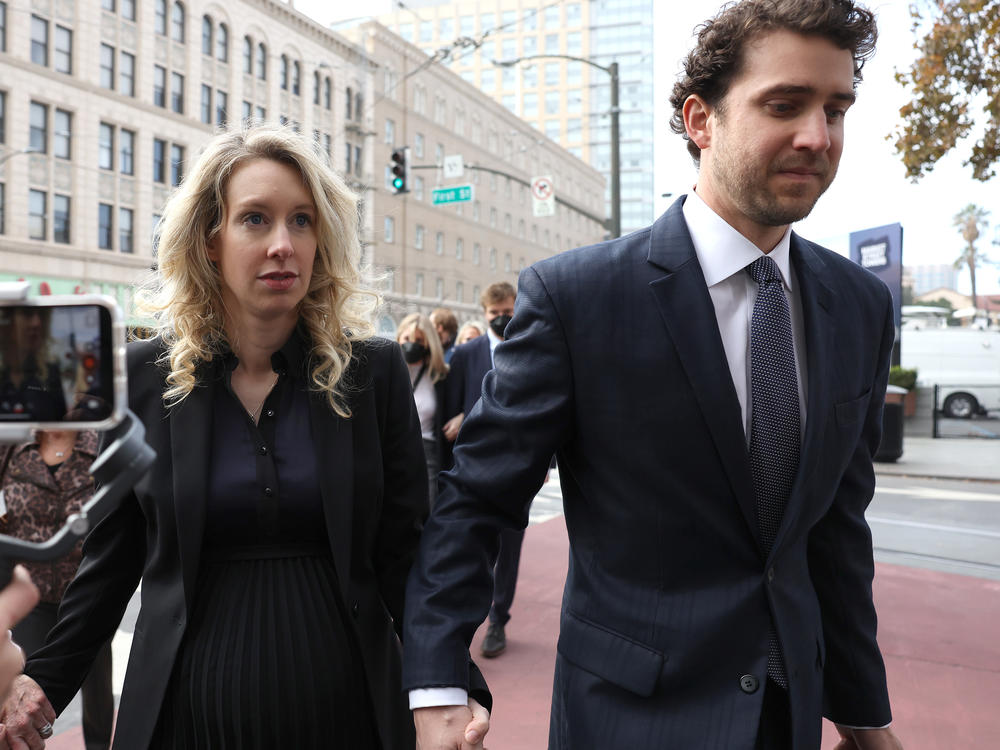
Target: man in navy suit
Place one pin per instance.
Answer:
(469, 365)
(703, 610)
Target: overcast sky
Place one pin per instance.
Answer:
(871, 189)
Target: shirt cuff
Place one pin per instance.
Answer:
(848, 726)
(438, 696)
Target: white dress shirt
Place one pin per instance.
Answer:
(723, 254)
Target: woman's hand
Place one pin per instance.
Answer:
(27, 717)
(452, 727)
(16, 600)
(452, 426)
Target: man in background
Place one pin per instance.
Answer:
(446, 325)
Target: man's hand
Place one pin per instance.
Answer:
(25, 712)
(867, 739)
(451, 427)
(17, 599)
(451, 727)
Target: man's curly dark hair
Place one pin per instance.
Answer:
(717, 58)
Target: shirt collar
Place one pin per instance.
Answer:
(291, 358)
(722, 251)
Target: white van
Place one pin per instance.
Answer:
(963, 361)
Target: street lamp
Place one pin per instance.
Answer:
(612, 70)
(25, 150)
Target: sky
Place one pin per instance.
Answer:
(871, 188)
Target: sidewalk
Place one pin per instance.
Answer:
(946, 458)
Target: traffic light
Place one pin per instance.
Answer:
(400, 166)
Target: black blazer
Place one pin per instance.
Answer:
(469, 364)
(374, 489)
(615, 362)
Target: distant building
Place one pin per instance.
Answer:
(568, 101)
(927, 277)
(104, 104)
(446, 254)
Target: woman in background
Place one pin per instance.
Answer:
(470, 330)
(425, 360)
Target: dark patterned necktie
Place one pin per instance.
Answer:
(775, 417)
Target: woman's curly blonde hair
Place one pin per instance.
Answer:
(185, 296)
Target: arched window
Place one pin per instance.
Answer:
(296, 76)
(222, 43)
(206, 35)
(283, 73)
(247, 55)
(262, 61)
(177, 23)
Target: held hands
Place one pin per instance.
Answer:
(16, 600)
(451, 727)
(27, 717)
(451, 427)
(867, 739)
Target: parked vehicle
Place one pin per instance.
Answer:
(964, 362)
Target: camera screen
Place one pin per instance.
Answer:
(55, 363)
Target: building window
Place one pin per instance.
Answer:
(439, 243)
(317, 78)
(126, 151)
(418, 145)
(206, 104)
(39, 41)
(177, 93)
(283, 73)
(439, 288)
(60, 219)
(418, 237)
(262, 61)
(126, 74)
(36, 214)
(104, 226)
(390, 229)
(128, 10)
(418, 188)
(222, 43)
(349, 103)
(38, 128)
(419, 285)
(296, 77)
(221, 108)
(3, 48)
(63, 57)
(106, 146)
(507, 263)
(206, 35)
(159, 86)
(107, 67)
(390, 132)
(357, 160)
(347, 159)
(459, 249)
(247, 56)
(62, 134)
(327, 96)
(477, 254)
(125, 230)
(159, 160)
(160, 17)
(459, 291)
(176, 164)
(177, 23)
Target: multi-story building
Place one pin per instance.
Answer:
(104, 102)
(567, 100)
(933, 276)
(447, 254)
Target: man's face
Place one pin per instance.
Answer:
(775, 141)
(496, 309)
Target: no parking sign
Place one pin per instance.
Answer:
(543, 196)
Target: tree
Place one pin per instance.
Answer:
(971, 223)
(958, 67)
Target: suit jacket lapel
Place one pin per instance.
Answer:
(817, 300)
(687, 311)
(190, 448)
(333, 443)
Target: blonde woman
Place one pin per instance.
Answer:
(275, 530)
(424, 357)
(472, 329)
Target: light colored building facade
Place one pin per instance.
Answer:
(926, 278)
(567, 100)
(103, 104)
(432, 255)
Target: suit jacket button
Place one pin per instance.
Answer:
(749, 684)
(770, 574)
(355, 609)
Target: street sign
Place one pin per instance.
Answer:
(457, 194)
(543, 196)
(453, 166)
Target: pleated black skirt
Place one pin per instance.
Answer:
(267, 662)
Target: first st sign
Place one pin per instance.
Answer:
(456, 194)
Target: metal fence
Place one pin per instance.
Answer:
(966, 411)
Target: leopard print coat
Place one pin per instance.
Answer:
(38, 503)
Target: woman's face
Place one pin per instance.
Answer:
(412, 335)
(467, 335)
(266, 245)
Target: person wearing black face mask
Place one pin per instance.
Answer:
(425, 360)
(469, 365)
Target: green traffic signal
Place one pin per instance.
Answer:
(397, 183)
